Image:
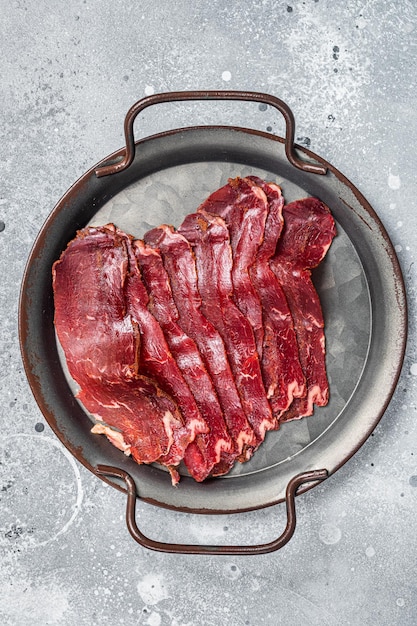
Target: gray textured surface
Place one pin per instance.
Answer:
(69, 74)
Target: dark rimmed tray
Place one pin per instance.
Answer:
(360, 285)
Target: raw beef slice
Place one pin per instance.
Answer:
(102, 344)
(308, 232)
(209, 238)
(283, 375)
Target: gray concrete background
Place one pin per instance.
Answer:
(69, 73)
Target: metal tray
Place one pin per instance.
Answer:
(159, 180)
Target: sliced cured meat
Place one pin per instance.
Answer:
(209, 238)
(198, 458)
(281, 369)
(179, 264)
(98, 338)
(191, 345)
(244, 207)
(101, 346)
(308, 321)
(138, 417)
(308, 232)
(156, 360)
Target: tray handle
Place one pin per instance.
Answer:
(177, 96)
(180, 548)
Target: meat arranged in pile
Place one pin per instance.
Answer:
(189, 345)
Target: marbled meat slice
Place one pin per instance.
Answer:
(198, 457)
(244, 208)
(101, 344)
(209, 238)
(281, 369)
(179, 263)
(99, 340)
(156, 360)
(308, 232)
(138, 418)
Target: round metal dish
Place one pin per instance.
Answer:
(360, 285)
